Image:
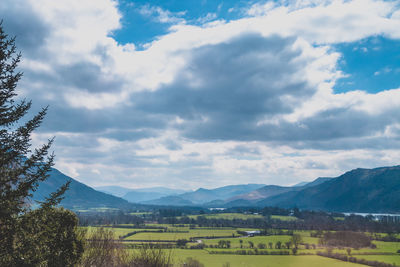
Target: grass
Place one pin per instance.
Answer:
(235, 242)
(100, 209)
(228, 216)
(185, 232)
(383, 258)
(382, 247)
(284, 218)
(212, 260)
(119, 231)
(140, 213)
(198, 232)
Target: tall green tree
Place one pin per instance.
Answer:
(296, 239)
(22, 230)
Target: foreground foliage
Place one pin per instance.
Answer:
(46, 236)
(102, 249)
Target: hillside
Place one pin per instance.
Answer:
(202, 195)
(170, 201)
(79, 195)
(269, 191)
(359, 190)
(114, 190)
(263, 192)
(147, 194)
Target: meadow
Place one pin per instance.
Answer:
(211, 260)
(208, 245)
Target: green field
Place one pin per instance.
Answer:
(212, 260)
(213, 255)
(235, 242)
(118, 232)
(198, 232)
(383, 258)
(228, 216)
(284, 218)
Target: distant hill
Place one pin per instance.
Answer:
(79, 195)
(140, 194)
(271, 190)
(114, 190)
(147, 194)
(170, 201)
(300, 184)
(201, 195)
(359, 190)
(263, 192)
(231, 195)
(317, 181)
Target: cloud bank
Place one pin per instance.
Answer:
(219, 102)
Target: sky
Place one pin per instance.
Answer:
(201, 93)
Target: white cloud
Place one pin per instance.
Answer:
(80, 33)
(161, 15)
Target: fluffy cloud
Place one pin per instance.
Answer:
(249, 100)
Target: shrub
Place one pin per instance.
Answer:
(190, 262)
(261, 246)
(148, 256)
(346, 239)
(181, 242)
(103, 250)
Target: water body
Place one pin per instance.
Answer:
(373, 214)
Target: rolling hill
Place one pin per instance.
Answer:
(79, 195)
(140, 194)
(359, 190)
(170, 201)
(146, 194)
(251, 198)
(202, 195)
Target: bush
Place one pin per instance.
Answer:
(103, 250)
(181, 242)
(149, 256)
(345, 239)
(190, 262)
(343, 257)
(261, 246)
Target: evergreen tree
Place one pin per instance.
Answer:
(21, 170)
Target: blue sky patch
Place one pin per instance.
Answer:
(372, 64)
(139, 28)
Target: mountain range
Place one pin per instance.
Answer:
(141, 194)
(233, 195)
(359, 190)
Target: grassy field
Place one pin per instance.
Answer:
(118, 232)
(212, 260)
(228, 216)
(383, 258)
(211, 255)
(235, 242)
(284, 218)
(198, 232)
